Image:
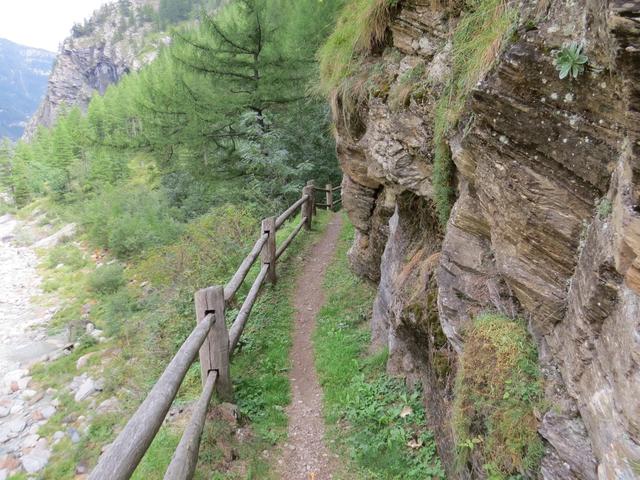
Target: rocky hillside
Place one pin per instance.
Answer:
(23, 82)
(120, 37)
(479, 181)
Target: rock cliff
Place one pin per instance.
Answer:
(545, 224)
(120, 37)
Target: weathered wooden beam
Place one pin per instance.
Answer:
(290, 211)
(329, 192)
(185, 458)
(235, 332)
(214, 354)
(290, 238)
(269, 249)
(122, 457)
(307, 207)
(337, 188)
(311, 184)
(232, 287)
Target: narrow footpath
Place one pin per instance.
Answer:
(305, 455)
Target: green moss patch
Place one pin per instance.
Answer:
(498, 388)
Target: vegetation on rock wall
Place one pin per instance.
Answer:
(477, 40)
(361, 28)
(498, 390)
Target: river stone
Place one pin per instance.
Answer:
(36, 460)
(86, 390)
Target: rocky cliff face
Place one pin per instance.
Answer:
(545, 224)
(113, 42)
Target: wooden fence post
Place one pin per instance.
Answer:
(214, 354)
(307, 207)
(269, 249)
(329, 197)
(311, 184)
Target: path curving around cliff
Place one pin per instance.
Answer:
(305, 455)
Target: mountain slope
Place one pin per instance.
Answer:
(23, 81)
(120, 37)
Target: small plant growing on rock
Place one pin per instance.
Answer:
(570, 61)
(604, 208)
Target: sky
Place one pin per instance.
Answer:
(42, 23)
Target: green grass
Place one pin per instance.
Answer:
(362, 405)
(498, 388)
(477, 41)
(361, 27)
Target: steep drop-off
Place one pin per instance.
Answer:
(544, 226)
(113, 42)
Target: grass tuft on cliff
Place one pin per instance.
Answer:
(477, 41)
(360, 29)
(498, 388)
(374, 421)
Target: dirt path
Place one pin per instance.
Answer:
(305, 455)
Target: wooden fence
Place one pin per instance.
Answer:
(215, 345)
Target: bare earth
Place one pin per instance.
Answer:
(306, 456)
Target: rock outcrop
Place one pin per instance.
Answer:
(116, 40)
(545, 225)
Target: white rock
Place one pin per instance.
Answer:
(4, 411)
(3, 474)
(30, 441)
(36, 460)
(17, 426)
(84, 360)
(87, 389)
(14, 376)
(90, 328)
(23, 382)
(17, 407)
(28, 394)
(97, 334)
(48, 411)
(58, 435)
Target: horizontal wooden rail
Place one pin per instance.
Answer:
(184, 460)
(290, 238)
(232, 287)
(337, 188)
(238, 324)
(123, 456)
(290, 211)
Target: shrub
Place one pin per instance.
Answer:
(107, 279)
(67, 255)
(116, 309)
(604, 208)
(498, 387)
(128, 220)
(570, 61)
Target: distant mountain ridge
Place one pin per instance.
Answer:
(24, 73)
(120, 37)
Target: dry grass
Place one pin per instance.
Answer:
(498, 387)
